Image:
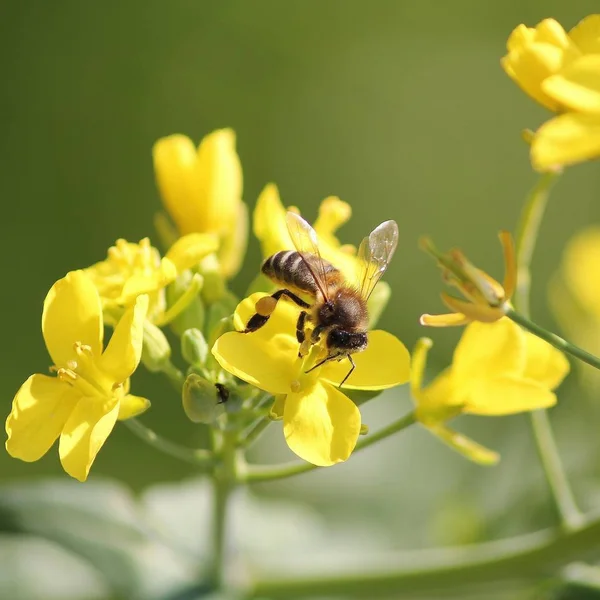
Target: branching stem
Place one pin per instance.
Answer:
(527, 235)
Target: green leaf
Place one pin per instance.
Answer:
(100, 522)
(36, 569)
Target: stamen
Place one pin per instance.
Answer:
(82, 349)
(66, 375)
(304, 348)
(295, 386)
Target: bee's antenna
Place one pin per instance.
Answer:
(349, 372)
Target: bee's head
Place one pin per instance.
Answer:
(346, 342)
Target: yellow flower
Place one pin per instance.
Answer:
(574, 294)
(497, 369)
(271, 230)
(486, 300)
(201, 189)
(537, 54)
(133, 269)
(91, 388)
(320, 423)
(562, 72)
(580, 269)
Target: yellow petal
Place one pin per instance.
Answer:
(144, 282)
(377, 302)
(448, 320)
(565, 140)
(580, 268)
(132, 406)
(506, 395)
(175, 159)
(466, 446)
(190, 249)
(122, 355)
(520, 36)
(333, 213)
(321, 425)
(529, 66)
(85, 432)
(269, 222)
(438, 401)
(487, 350)
(220, 173)
(418, 365)
(72, 313)
(552, 32)
(385, 363)
(545, 364)
(586, 34)
(268, 357)
(39, 412)
(232, 250)
(471, 310)
(577, 86)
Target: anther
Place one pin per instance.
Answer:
(295, 386)
(81, 349)
(66, 375)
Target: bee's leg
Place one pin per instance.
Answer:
(350, 371)
(323, 361)
(301, 335)
(265, 307)
(316, 334)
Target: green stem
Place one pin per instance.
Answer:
(527, 235)
(492, 565)
(224, 479)
(255, 432)
(553, 339)
(198, 457)
(260, 473)
(175, 376)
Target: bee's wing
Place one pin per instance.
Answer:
(306, 243)
(375, 253)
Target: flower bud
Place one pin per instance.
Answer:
(192, 316)
(214, 284)
(166, 231)
(202, 399)
(486, 300)
(194, 348)
(156, 350)
(219, 311)
(221, 327)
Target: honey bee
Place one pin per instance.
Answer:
(338, 310)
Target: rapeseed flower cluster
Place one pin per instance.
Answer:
(497, 367)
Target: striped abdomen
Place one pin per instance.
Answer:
(288, 269)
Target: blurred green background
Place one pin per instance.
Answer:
(399, 107)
